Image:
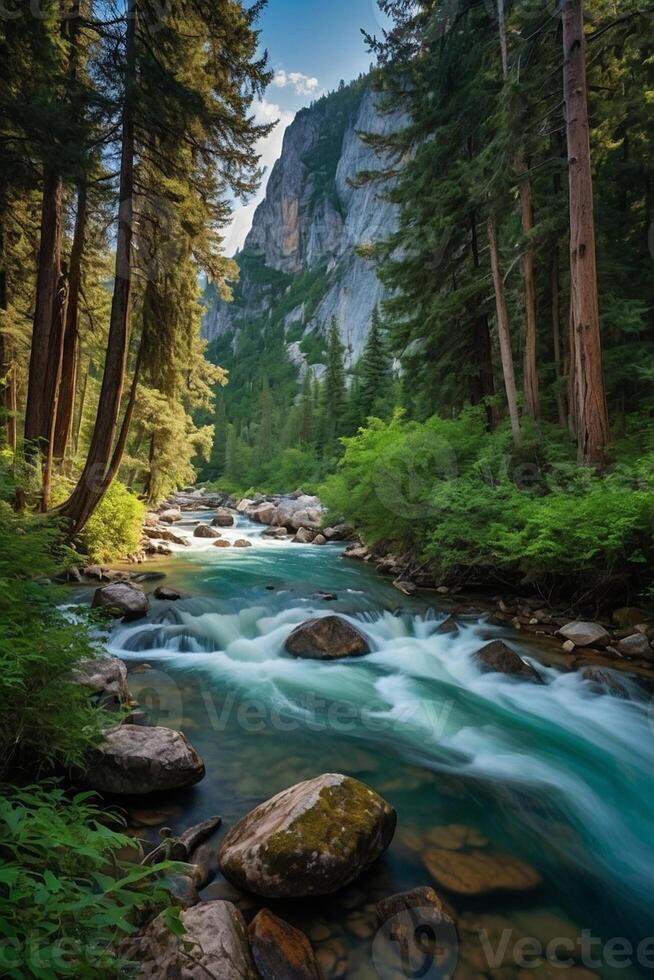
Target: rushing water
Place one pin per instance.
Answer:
(555, 774)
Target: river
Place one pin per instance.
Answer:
(555, 774)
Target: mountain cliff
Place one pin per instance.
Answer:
(299, 266)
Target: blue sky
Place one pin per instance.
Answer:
(312, 45)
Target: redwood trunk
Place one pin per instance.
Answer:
(485, 381)
(47, 282)
(93, 484)
(591, 410)
(503, 331)
(530, 357)
(53, 379)
(7, 367)
(555, 288)
(68, 383)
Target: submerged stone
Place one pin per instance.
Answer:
(477, 872)
(311, 839)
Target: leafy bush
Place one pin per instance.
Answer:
(66, 896)
(45, 720)
(480, 511)
(114, 530)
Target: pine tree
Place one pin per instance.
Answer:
(265, 434)
(306, 419)
(374, 373)
(334, 393)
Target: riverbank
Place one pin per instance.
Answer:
(418, 719)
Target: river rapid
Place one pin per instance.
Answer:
(557, 774)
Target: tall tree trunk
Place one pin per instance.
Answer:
(53, 379)
(482, 338)
(555, 289)
(503, 330)
(591, 410)
(530, 356)
(79, 415)
(68, 383)
(47, 283)
(530, 367)
(7, 366)
(92, 483)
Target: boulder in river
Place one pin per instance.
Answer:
(222, 518)
(636, 645)
(206, 531)
(405, 919)
(222, 544)
(170, 516)
(311, 839)
(605, 681)
(132, 761)
(215, 944)
(327, 638)
(121, 599)
(166, 593)
(242, 543)
(106, 681)
(304, 536)
(275, 532)
(307, 517)
(585, 634)
(281, 951)
(264, 513)
(497, 657)
(477, 872)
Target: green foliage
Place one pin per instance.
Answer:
(114, 530)
(67, 897)
(480, 511)
(45, 720)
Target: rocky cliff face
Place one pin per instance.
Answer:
(299, 265)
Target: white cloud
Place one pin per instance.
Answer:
(303, 84)
(269, 149)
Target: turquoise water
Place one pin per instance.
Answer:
(557, 775)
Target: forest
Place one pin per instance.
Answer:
(497, 427)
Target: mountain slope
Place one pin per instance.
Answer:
(299, 266)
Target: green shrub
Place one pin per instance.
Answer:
(114, 530)
(480, 511)
(66, 896)
(44, 719)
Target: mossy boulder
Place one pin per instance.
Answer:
(311, 839)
